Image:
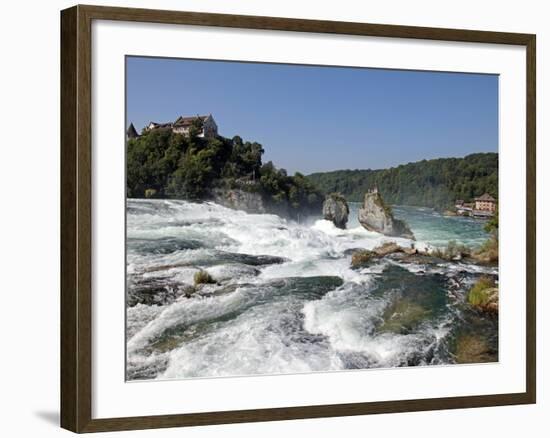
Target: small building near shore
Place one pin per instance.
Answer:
(484, 206)
(485, 203)
(464, 209)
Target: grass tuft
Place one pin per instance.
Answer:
(203, 277)
(480, 293)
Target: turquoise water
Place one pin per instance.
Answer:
(432, 227)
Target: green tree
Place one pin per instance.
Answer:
(430, 183)
(195, 129)
(492, 225)
(161, 163)
(151, 159)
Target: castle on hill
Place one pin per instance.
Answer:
(180, 126)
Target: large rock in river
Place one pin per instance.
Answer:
(336, 210)
(375, 215)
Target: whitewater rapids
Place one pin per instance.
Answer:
(285, 300)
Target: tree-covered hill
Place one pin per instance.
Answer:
(163, 164)
(431, 183)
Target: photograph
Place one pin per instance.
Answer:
(275, 219)
(292, 218)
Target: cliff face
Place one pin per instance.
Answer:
(240, 200)
(375, 215)
(257, 203)
(336, 210)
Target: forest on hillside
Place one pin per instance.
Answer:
(433, 183)
(164, 164)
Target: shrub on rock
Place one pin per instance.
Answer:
(484, 295)
(361, 258)
(203, 277)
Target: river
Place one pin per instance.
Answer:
(286, 299)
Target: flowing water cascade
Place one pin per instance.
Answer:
(283, 297)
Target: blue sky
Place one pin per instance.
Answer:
(311, 118)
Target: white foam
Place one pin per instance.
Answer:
(349, 323)
(254, 343)
(246, 330)
(139, 316)
(312, 268)
(186, 311)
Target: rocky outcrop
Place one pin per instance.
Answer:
(253, 202)
(491, 303)
(375, 215)
(362, 257)
(237, 199)
(153, 291)
(388, 248)
(336, 210)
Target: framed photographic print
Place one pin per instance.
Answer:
(269, 218)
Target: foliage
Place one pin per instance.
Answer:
(379, 201)
(488, 251)
(203, 277)
(163, 164)
(150, 193)
(430, 183)
(453, 251)
(338, 197)
(297, 190)
(473, 348)
(478, 295)
(361, 258)
(151, 159)
(492, 225)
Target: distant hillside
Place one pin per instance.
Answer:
(430, 183)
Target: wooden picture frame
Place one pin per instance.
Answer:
(76, 217)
